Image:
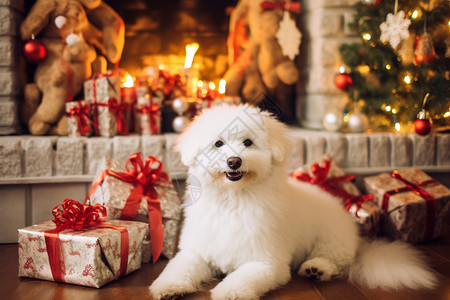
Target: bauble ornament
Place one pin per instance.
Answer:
(423, 123)
(424, 52)
(343, 81)
(358, 122)
(180, 106)
(179, 123)
(333, 120)
(34, 51)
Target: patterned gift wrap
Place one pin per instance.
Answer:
(417, 207)
(113, 194)
(102, 93)
(148, 116)
(77, 116)
(91, 257)
(332, 179)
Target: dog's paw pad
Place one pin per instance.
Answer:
(313, 273)
(318, 269)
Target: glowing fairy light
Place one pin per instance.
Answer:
(397, 126)
(212, 86)
(407, 79)
(388, 67)
(414, 15)
(388, 108)
(367, 37)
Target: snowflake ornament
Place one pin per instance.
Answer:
(395, 28)
(289, 37)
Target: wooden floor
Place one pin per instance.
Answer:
(135, 285)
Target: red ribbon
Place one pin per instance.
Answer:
(290, 6)
(144, 175)
(170, 82)
(81, 112)
(118, 111)
(429, 199)
(73, 215)
(332, 184)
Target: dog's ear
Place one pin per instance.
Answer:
(280, 144)
(187, 145)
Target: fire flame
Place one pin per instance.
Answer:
(128, 83)
(190, 52)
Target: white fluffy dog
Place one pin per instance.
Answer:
(246, 219)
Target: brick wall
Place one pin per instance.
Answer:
(11, 66)
(325, 28)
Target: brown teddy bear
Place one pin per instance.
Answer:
(256, 60)
(70, 31)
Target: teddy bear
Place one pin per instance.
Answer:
(79, 37)
(257, 64)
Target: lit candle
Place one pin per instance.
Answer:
(190, 52)
(129, 91)
(222, 85)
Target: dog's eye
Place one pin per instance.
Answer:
(248, 143)
(218, 144)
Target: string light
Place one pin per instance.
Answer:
(367, 37)
(388, 67)
(407, 79)
(414, 15)
(397, 126)
(388, 108)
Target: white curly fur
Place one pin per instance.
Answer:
(256, 229)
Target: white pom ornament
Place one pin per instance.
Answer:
(60, 21)
(72, 39)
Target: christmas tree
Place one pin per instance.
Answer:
(403, 55)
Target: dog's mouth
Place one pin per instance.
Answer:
(234, 175)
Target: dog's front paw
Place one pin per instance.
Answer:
(223, 292)
(318, 269)
(168, 290)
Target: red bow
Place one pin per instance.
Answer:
(291, 6)
(332, 184)
(144, 175)
(118, 111)
(72, 214)
(81, 112)
(170, 82)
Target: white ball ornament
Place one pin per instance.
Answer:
(179, 123)
(72, 39)
(179, 106)
(358, 122)
(333, 120)
(60, 21)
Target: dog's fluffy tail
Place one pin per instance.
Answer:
(385, 265)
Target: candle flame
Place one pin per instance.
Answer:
(222, 84)
(190, 52)
(128, 83)
(212, 86)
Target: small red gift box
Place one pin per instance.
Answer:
(417, 207)
(77, 116)
(79, 247)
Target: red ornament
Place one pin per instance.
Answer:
(424, 52)
(343, 81)
(423, 124)
(34, 51)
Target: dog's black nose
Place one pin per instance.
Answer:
(234, 162)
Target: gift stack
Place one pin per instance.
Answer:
(329, 177)
(93, 244)
(404, 204)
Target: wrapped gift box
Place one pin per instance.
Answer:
(102, 93)
(113, 194)
(148, 115)
(77, 116)
(92, 256)
(333, 179)
(417, 206)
